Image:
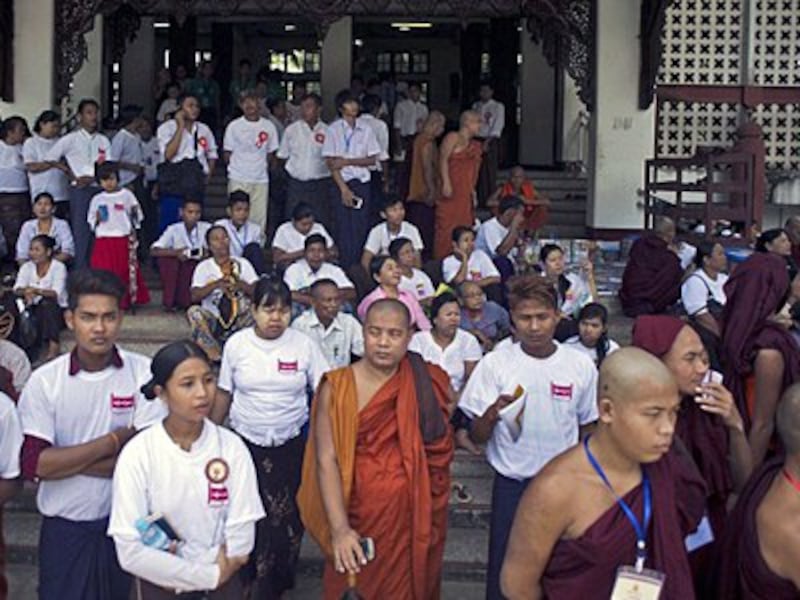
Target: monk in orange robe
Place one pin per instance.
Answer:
(377, 466)
(537, 208)
(459, 164)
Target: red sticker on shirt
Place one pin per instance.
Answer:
(319, 137)
(287, 367)
(121, 402)
(263, 136)
(217, 494)
(203, 143)
(119, 206)
(561, 392)
(101, 155)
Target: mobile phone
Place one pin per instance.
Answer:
(368, 548)
(358, 202)
(195, 252)
(102, 211)
(712, 376)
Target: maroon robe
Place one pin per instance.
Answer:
(651, 282)
(741, 573)
(756, 290)
(586, 567)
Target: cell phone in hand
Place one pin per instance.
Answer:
(358, 202)
(102, 212)
(368, 548)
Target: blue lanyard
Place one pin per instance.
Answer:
(348, 138)
(641, 530)
(235, 234)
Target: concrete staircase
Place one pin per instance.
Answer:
(568, 193)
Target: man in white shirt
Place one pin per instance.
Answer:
(394, 227)
(309, 179)
(250, 142)
(301, 275)
(530, 401)
(350, 148)
(288, 245)
(77, 413)
(339, 334)
(247, 238)
(493, 120)
(83, 149)
(409, 116)
(379, 172)
(499, 236)
(126, 148)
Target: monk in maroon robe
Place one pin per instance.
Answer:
(759, 557)
(651, 282)
(570, 533)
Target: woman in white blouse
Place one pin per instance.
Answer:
(43, 175)
(575, 290)
(41, 283)
(185, 500)
(265, 378)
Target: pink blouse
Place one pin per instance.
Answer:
(418, 317)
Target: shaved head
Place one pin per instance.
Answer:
(664, 227)
(627, 374)
(517, 172)
(792, 228)
(388, 305)
(788, 419)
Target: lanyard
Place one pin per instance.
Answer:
(193, 236)
(238, 239)
(348, 138)
(641, 529)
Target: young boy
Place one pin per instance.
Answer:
(45, 222)
(247, 238)
(300, 276)
(77, 413)
(412, 280)
(394, 226)
(288, 245)
(179, 249)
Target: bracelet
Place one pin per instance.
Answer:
(115, 439)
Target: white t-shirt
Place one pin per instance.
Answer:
(126, 147)
(381, 131)
(59, 231)
(493, 118)
(419, 284)
(575, 343)
(288, 239)
(66, 410)
(479, 266)
(697, 288)
(409, 116)
(167, 109)
(249, 143)
(54, 181)
(380, 237)
(578, 295)
(55, 279)
(560, 396)
(344, 141)
(152, 158)
(208, 270)
(176, 236)
(491, 234)
(249, 233)
(154, 475)
(343, 337)
(81, 150)
(301, 147)
(13, 177)
(204, 149)
(10, 439)
(464, 348)
(118, 206)
(269, 381)
(299, 276)
(13, 358)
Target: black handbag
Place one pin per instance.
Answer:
(184, 178)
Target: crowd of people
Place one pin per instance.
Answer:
(340, 353)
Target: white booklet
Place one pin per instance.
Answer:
(512, 414)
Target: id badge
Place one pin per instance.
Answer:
(633, 585)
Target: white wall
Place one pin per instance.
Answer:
(537, 125)
(337, 60)
(33, 59)
(138, 68)
(88, 81)
(622, 135)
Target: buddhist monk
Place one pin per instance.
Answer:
(792, 229)
(760, 554)
(624, 497)
(651, 282)
(377, 466)
(424, 180)
(537, 207)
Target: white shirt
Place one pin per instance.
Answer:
(380, 237)
(66, 410)
(249, 233)
(126, 147)
(575, 343)
(176, 236)
(493, 118)
(13, 358)
(578, 295)
(343, 337)
(344, 141)
(288, 239)
(686, 252)
(381, 131)
(13, 177)
(269, 381)
(479, 266)
(54, 181)
(167, 109)
(409, 116)
(300, 276)
(206, 144)
(419, 284)
(152, 157)
(697, 288)
(301, 147)
(59, 231)
(119, 205)
(491, 234)
(82, 150)
(560, 396)
(155, 476)
(55, 279)
(208, 270)
(249, 143)
(464, 348)
(10, 439)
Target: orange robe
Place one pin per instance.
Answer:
(457, 210)
(535, 215)
(396, 487)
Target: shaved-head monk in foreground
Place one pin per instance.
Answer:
(377, 466)
(612, 513)
(760, 554)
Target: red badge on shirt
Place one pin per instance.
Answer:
(217, 472)
(121, 402)
(119, 206)
(561, 392)
(217, 494)
(319, 137)
(263, 136)
(287, 367)
(203, 143)
(101, 155)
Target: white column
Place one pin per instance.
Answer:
(337, 62)
(138, 68)
(34, 59)
(622, 136)
(538, 97)
(88, 81)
